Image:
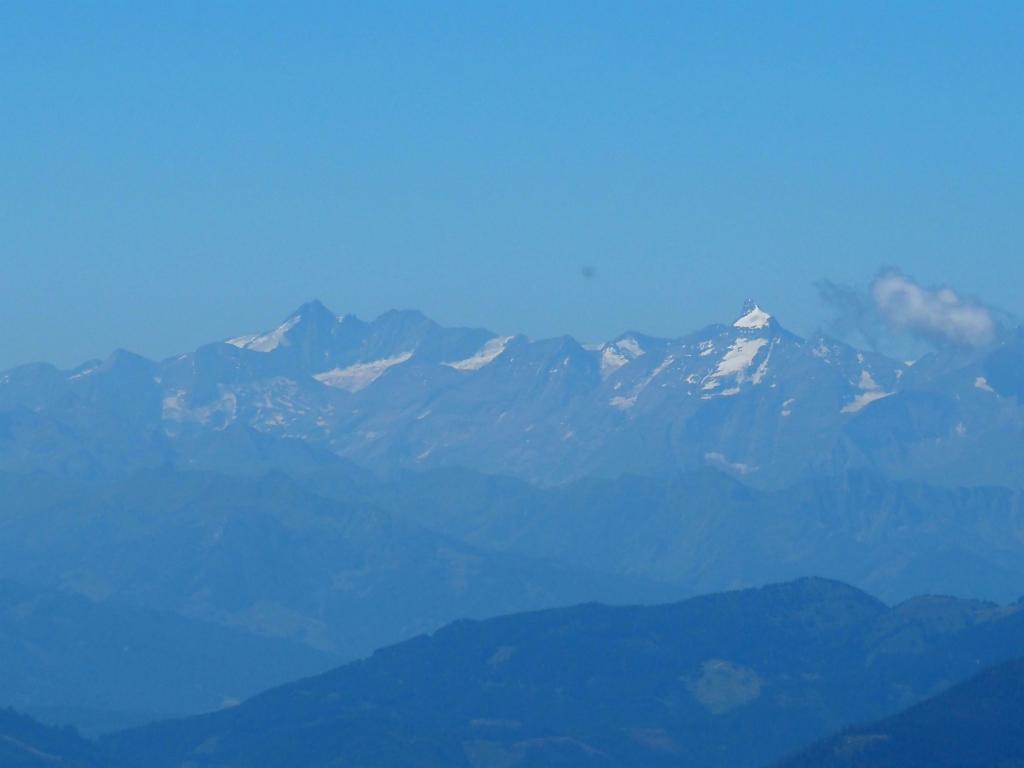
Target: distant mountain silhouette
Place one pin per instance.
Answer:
(267, 557)
(736, 679)
(401, 391)
(705, 531)
(25, 743)
(107, 665)
(977, 724)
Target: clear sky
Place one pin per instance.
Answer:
(175, 172)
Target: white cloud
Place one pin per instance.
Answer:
(940, 314)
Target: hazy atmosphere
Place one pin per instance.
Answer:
(178, 173)
(530, 385)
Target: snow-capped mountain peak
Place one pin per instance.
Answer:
(312, 313)
(753, 317)
(402, 389)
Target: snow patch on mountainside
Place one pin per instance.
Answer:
(616, 355)
(624, 403)
(755, 319)
(867, 381)
(735, 362)
(871, 392)
(83, 374)
(739, 357)
(487, 354)
(222, 411)
(822, 350)
(658, 371)
(361, 375)
(173, 406)
(242, 341)
(762, 369)
(715, 457)
(630, 346)
(864, 399)
(611, 361)
(268, 342)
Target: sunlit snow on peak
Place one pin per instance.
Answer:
(611, 360)
(617, 354)
(268, 342)
(241, 341)
(754, 319)
(487, 354)
(630, 346)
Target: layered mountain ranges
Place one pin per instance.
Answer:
(749, 398)
(266, 557)
(107, 665)
(705, 531)
(738, 679)
(310, 494)
(291, 575)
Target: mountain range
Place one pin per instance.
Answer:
(294, 574)
(177, 535)
(738, 679)
(26, 743)
(705, 531)
(401, 391)
(103, 666)
(267, 557)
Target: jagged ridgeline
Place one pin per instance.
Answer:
(293, 500)
(750, 398)
(740, 678)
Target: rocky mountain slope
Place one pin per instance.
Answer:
(401, 391)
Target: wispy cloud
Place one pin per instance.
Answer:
(896, 308)
(936, 314)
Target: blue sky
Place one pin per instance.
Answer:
(178, 172)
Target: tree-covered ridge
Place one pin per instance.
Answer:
(737, 679)
(977, 724)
